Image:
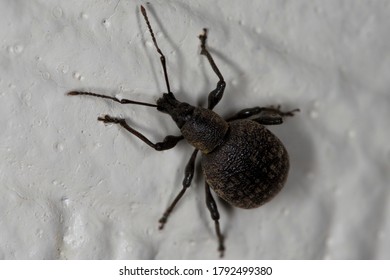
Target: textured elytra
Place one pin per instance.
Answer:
(251, 166)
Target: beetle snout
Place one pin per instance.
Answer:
(167, 102)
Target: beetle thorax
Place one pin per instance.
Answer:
(205, 130)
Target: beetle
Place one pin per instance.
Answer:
(242, 161)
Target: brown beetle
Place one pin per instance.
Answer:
(243, 162)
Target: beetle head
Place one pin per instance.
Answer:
(180, 112)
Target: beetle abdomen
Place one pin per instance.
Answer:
(249, 168)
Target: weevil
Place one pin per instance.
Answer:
(242, 161)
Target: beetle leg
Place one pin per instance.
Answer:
(188, 175)
(212, 206)
(267, 115)
(169, 141)
(216, 95)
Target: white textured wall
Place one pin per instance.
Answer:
(73, 188)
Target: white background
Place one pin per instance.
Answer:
(73, 188)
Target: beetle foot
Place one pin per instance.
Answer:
(109, 119)
(203, 38)
(162, 222)
(221, 249)
(284, 114)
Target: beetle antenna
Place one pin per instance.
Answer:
(162, 57)
(122, 101)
